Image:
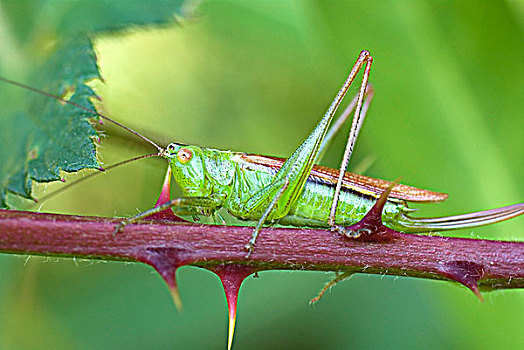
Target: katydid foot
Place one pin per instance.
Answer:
(250, 247)
(119, 227)
(345, 231)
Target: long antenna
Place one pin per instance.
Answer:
(30, 88)
(74, 183)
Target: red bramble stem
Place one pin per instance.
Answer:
(167, 245)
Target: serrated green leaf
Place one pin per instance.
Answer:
(42, 135)
(49, 136)
(32, 18)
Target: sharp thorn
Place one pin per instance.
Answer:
(466, 273)
(163, 198)
(475, 289)
(166, 262)
(231, 327)
(175, 294)
(371, 228)
(384, 196)
(232, 276)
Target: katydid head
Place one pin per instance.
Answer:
(187, 165)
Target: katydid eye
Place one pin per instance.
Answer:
(184, 155)
(171, 148)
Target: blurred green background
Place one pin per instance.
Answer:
(255, 77)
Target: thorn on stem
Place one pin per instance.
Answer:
(166, 261)
(164, 197)
(371, 228)
(466, 273)
(175, 294)
(232, 276)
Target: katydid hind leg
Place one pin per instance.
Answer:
(355, 129)
(295, 171)
(337, 125)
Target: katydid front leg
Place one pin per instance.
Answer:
(292, 176)
(181, 206)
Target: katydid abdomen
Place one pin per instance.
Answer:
(312, 207)
(359, 193)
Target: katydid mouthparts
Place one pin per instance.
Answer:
(295, 191)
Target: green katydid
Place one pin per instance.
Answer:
(295, 191)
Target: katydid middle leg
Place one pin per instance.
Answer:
(251, 245)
